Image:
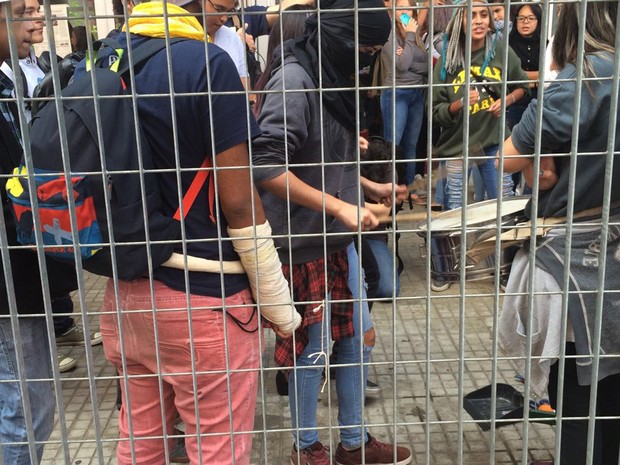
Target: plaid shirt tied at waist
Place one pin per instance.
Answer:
(309, 294)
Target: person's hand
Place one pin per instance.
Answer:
(474, 96)
(496, 108)
(401, 192)
(456, 106)
(348, 215)
(399, 51)
(368, 221)
(547, 175)
(412, 26)
(363, 144)
(279, 333)
(377, 191)
(247, 38)
(382, 192)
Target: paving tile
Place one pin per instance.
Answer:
(421, 346)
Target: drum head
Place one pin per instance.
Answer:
(477, 214)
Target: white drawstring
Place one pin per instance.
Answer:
(317, 355)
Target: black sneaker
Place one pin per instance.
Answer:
(438, 285)
(372, 388)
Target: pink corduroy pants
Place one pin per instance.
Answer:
(221, 388)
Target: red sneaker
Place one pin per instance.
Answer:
(316, 454)
(376, 453)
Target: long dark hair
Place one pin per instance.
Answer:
(599, 37)
(290, 26)
(81, 42)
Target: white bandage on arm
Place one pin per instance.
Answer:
(269, 287)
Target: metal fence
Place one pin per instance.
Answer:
(436, 353)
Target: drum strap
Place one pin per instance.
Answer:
(523, 231)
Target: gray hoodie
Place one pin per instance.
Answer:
(411, 66)
(295, 139)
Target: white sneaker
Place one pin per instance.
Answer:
(74, 336)
(65, 363)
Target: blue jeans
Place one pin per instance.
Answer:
(387, 287)
(479, 191)
(406, 129)
(305, 380)
(440, 187)
(38, 365)
(488, 172)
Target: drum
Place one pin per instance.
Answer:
(447, 241)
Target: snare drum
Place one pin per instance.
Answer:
(446, 238)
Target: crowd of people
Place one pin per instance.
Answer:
(295, 188)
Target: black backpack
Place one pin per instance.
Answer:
(104, 199)
(45, 88)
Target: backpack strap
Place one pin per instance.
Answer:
(142, 53)
(22, 76)
(139, 54)
(194, 189)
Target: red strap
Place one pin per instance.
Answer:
(194, 189)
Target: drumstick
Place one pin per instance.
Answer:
(411, 216)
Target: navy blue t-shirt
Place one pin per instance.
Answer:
(197, 117)
(256, 18)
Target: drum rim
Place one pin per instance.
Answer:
(423, 225)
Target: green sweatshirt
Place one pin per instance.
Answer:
(484, 128)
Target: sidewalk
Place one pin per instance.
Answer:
(416, 362)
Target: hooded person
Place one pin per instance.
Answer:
(305, 164)
(338, 48)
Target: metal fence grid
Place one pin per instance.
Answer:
(431, 350)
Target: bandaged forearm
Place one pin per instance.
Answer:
(264, 269)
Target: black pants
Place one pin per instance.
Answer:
(63, 323)
(576, 403)
(371, 270)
